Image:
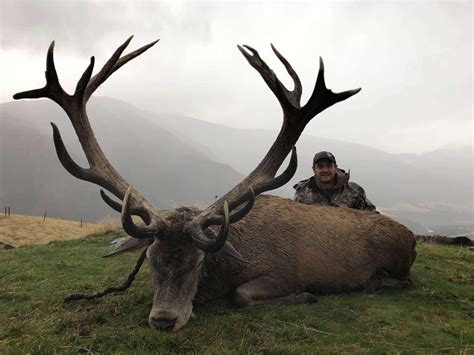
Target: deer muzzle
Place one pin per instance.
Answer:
(162, 320)
(167, 320)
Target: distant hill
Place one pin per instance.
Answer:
(164, 168)
(452, 165)
(176, 160)
(417, 190)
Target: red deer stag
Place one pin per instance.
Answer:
(282, 252)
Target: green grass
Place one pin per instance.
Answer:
(437, 315)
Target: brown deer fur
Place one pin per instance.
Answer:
(281, 252)
(317, 249)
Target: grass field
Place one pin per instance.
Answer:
(20, 230)
(437, 315)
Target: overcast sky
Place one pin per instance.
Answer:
(413, 60)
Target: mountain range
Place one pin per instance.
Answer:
(174, 160)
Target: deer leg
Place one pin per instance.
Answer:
(266, 290)
(374, 283)
(382, 279)
(404, 282)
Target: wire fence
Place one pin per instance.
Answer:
(7, 212)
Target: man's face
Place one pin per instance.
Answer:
(325, 170)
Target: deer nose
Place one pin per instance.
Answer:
(163, 324)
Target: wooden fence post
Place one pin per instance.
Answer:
(44, 217)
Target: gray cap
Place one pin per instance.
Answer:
(324, 155)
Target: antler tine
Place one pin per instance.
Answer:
(235, 215)
(84, 80)
(66, 161)
(112, 204)
(205, 243)
(101, 172)
(282, 179)
(269, 183)
(118, 207)
(149, 231)
(315, 103)
(267, 74)
(295, 118)
(52, 88)
(114, 63)
(199, 224)
(249, 197)
(104, 73)
(126, 58)
(295, 95)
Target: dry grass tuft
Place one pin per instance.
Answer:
(20, 230)
(108, 223)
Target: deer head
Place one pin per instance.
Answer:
(178, 243)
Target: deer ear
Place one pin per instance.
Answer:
(229, 250)
(126, 244)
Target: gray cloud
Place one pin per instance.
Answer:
(86, 26)
(412, 59)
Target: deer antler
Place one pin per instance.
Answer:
(100, 172)
(224, 211)
(295, 119)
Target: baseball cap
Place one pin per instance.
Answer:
(324, 155)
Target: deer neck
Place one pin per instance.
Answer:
(220, 275)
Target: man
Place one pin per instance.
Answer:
(330, 186)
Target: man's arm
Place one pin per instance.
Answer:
(361, 201)
(300, 191)
(368, 206)
(298, 197)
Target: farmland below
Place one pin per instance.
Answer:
(436, 315)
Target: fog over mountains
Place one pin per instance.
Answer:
(174, 160)
(165, 168)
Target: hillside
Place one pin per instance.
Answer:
(435, 316)
(422, 191)
(18, 230)
(164, 168)
(177, 160)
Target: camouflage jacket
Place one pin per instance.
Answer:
(344, 193)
